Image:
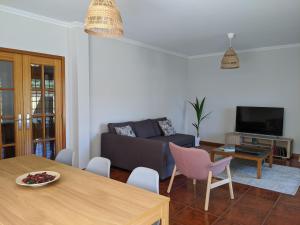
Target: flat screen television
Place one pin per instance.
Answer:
(259, 120)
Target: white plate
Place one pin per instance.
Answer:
(19, 179)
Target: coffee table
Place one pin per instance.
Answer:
(242, 152)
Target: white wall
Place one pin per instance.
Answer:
(23, 33)
(266, 78)
(78, 45)
(133, 83)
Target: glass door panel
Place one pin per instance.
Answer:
(8, 152)
(38, 148)
(42, 103)
(50, 149)
(7, 109)
(10, 107)
(6, 74)
(7, 102)
(50, 127)
(8, 132)
(37, 128)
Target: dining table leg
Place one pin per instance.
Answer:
(165, 214)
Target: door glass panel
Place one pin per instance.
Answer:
(36, 76)
(8, 132)
(38, 148)
(6, 71)
(7, 103)
(49, 102)
(36, 102)
(8, 152)
(50, 127)
(7, 128)
(50, 149)
(43, 110)
(37, 128)
(49, 77)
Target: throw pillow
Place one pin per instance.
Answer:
(125, 131)
(167, 128)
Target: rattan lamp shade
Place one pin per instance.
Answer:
(103, 19)
(230, 60)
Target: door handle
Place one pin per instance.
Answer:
(20, 121)
(27, 121)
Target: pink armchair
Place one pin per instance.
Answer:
(196, 164)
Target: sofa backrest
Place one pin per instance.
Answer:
(144, 128)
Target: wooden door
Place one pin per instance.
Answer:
(11, 109)
(43, 105)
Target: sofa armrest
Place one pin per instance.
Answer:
(131, 152)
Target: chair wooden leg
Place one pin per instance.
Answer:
(172, 179)
(208, 190)
(230, 182)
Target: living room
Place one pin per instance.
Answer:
(170, 54)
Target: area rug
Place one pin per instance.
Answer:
(281, 179)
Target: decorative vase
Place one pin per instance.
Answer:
(197, 141)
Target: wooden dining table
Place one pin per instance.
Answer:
(77, 198)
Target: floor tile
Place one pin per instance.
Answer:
(263, 193)
(223, 221)
(190, 216)
(284, 214)
(173, 222)
(175, 208)
(251, 209)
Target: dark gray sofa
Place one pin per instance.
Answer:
(149, 149)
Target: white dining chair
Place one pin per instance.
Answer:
(145, 178)
(100, 166)
(65, 156)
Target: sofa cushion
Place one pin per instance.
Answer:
(144, 129)
(178, 139)
(112, 126)
(157, 129)
(167, 127)
(125, 131)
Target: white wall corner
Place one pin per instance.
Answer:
(79, 95)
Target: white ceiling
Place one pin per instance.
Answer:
(190, 27)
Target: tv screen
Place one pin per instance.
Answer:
(259, 120)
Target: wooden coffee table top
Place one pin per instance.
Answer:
(262, 153)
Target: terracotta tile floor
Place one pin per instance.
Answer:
(251, 206)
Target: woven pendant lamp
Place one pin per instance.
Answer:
(230, 59)
(103, 19)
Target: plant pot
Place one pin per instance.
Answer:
(197, 141)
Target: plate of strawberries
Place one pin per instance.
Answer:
(38, 178)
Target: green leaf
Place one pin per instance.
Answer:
(195, 125)
(198, 107)
(205, 116)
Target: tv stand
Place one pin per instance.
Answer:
(281, 146)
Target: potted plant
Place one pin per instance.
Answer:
(198, 107)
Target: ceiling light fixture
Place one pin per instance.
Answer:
(103, 19)
(230, 59)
